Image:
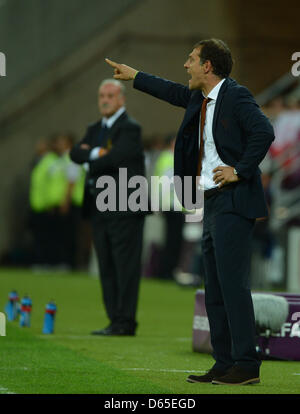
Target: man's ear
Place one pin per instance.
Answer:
(207, 66)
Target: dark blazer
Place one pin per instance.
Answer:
(241, 132)
(126, 152)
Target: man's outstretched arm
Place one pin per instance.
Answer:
(174, 93)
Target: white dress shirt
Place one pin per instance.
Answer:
(211, 159)
(108, 122)
(112, 119)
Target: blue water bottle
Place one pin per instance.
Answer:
(26, 306)
(49, 318)
(12, 306)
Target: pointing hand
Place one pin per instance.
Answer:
(122, 72)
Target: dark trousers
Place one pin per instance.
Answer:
(226, 246)
(39, 223)
(69, 228)
(118, 242)
(170, 254)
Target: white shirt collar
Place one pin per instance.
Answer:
(112, 119)
(213, 94)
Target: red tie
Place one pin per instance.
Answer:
(202, 122)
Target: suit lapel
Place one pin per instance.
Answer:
(218, 105)
(110, 134)
(194, 108)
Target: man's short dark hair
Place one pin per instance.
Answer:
(218, 53)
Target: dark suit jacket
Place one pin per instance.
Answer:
(241, 132)
(126, 152)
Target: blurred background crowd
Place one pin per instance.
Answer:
(55, 90)
(55, 237)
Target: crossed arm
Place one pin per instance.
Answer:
(127, 146)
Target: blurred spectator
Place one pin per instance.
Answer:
(274, 108)
(173, 220)
(39, 203)
(281, 181)
(285, 151)
(153, 145)
(286, 126)
(56, 193)
(154, 223)
(66, 187)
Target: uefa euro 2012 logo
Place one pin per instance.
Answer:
(2, 64)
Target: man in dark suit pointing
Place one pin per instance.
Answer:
(109, 145)
(222, 140)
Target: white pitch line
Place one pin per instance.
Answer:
(4, 390)
(160, 370)
(96, 337)
(183, 339)
(13, 368)
(66, 336)
(295, 373)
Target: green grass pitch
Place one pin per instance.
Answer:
(71, 361)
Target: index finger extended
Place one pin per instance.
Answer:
(112, 63)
